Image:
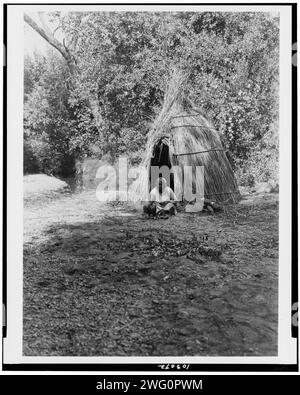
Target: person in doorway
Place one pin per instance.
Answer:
(162, 200)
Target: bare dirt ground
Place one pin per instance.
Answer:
(103, 281)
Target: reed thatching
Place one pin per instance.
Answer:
(192, 141)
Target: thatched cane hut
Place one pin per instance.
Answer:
(182, 136)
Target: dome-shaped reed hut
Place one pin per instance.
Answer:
(182, 136)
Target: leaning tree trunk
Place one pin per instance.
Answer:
(46, 33)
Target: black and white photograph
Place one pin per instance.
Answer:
(152, 189)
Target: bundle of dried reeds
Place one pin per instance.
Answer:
(193, 141)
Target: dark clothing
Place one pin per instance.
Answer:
(157, 209)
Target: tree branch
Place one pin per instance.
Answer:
(92, 100)
(52, 41)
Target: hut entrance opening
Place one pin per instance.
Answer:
(160, 158)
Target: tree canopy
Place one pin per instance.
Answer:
(98, 93)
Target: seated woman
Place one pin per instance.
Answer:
(162, 200)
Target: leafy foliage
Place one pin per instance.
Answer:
(123, 63)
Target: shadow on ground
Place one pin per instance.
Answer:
(113, 283)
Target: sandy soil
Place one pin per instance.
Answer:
(101, 280)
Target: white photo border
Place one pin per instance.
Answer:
(12, 352)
